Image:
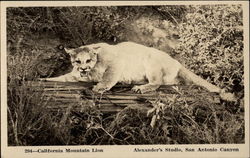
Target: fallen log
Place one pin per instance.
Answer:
(63, 95)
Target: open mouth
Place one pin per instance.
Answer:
(84, 73)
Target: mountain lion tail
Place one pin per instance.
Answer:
(189, 76)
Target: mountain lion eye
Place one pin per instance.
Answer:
(78, 61)
(89, 60)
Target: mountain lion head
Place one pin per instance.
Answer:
(83, 59)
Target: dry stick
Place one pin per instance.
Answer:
(99, 127)
(79, 35)
(13, 126)
(173, 18)
(220, 35)
(67, 26)
(166, 16)
(33, 21)
(107, 132)
(190, 118)
(216, 129)
(19, 41)
(49, 15)
(25, 13)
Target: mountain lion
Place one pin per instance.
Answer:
(130, 63)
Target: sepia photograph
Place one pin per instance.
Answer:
(122, 75)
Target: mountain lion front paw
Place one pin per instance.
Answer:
(99, 89)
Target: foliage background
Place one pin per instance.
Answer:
(207, 39)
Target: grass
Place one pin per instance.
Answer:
(187, 117)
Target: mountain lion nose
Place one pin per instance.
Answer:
(82, 69)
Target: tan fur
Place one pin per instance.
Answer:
(129, 63)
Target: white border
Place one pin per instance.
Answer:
(122, 150)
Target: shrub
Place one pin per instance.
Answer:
(212, 44)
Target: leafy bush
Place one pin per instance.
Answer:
(212, 44)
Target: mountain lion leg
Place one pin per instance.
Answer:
(110, 78)
(62, 78)
(170, 79)
(69, 77)
(154, 82)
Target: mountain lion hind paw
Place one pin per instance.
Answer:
(142, 89)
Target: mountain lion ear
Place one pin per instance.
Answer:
(70, 51)
(66, 50)
(97, 49)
